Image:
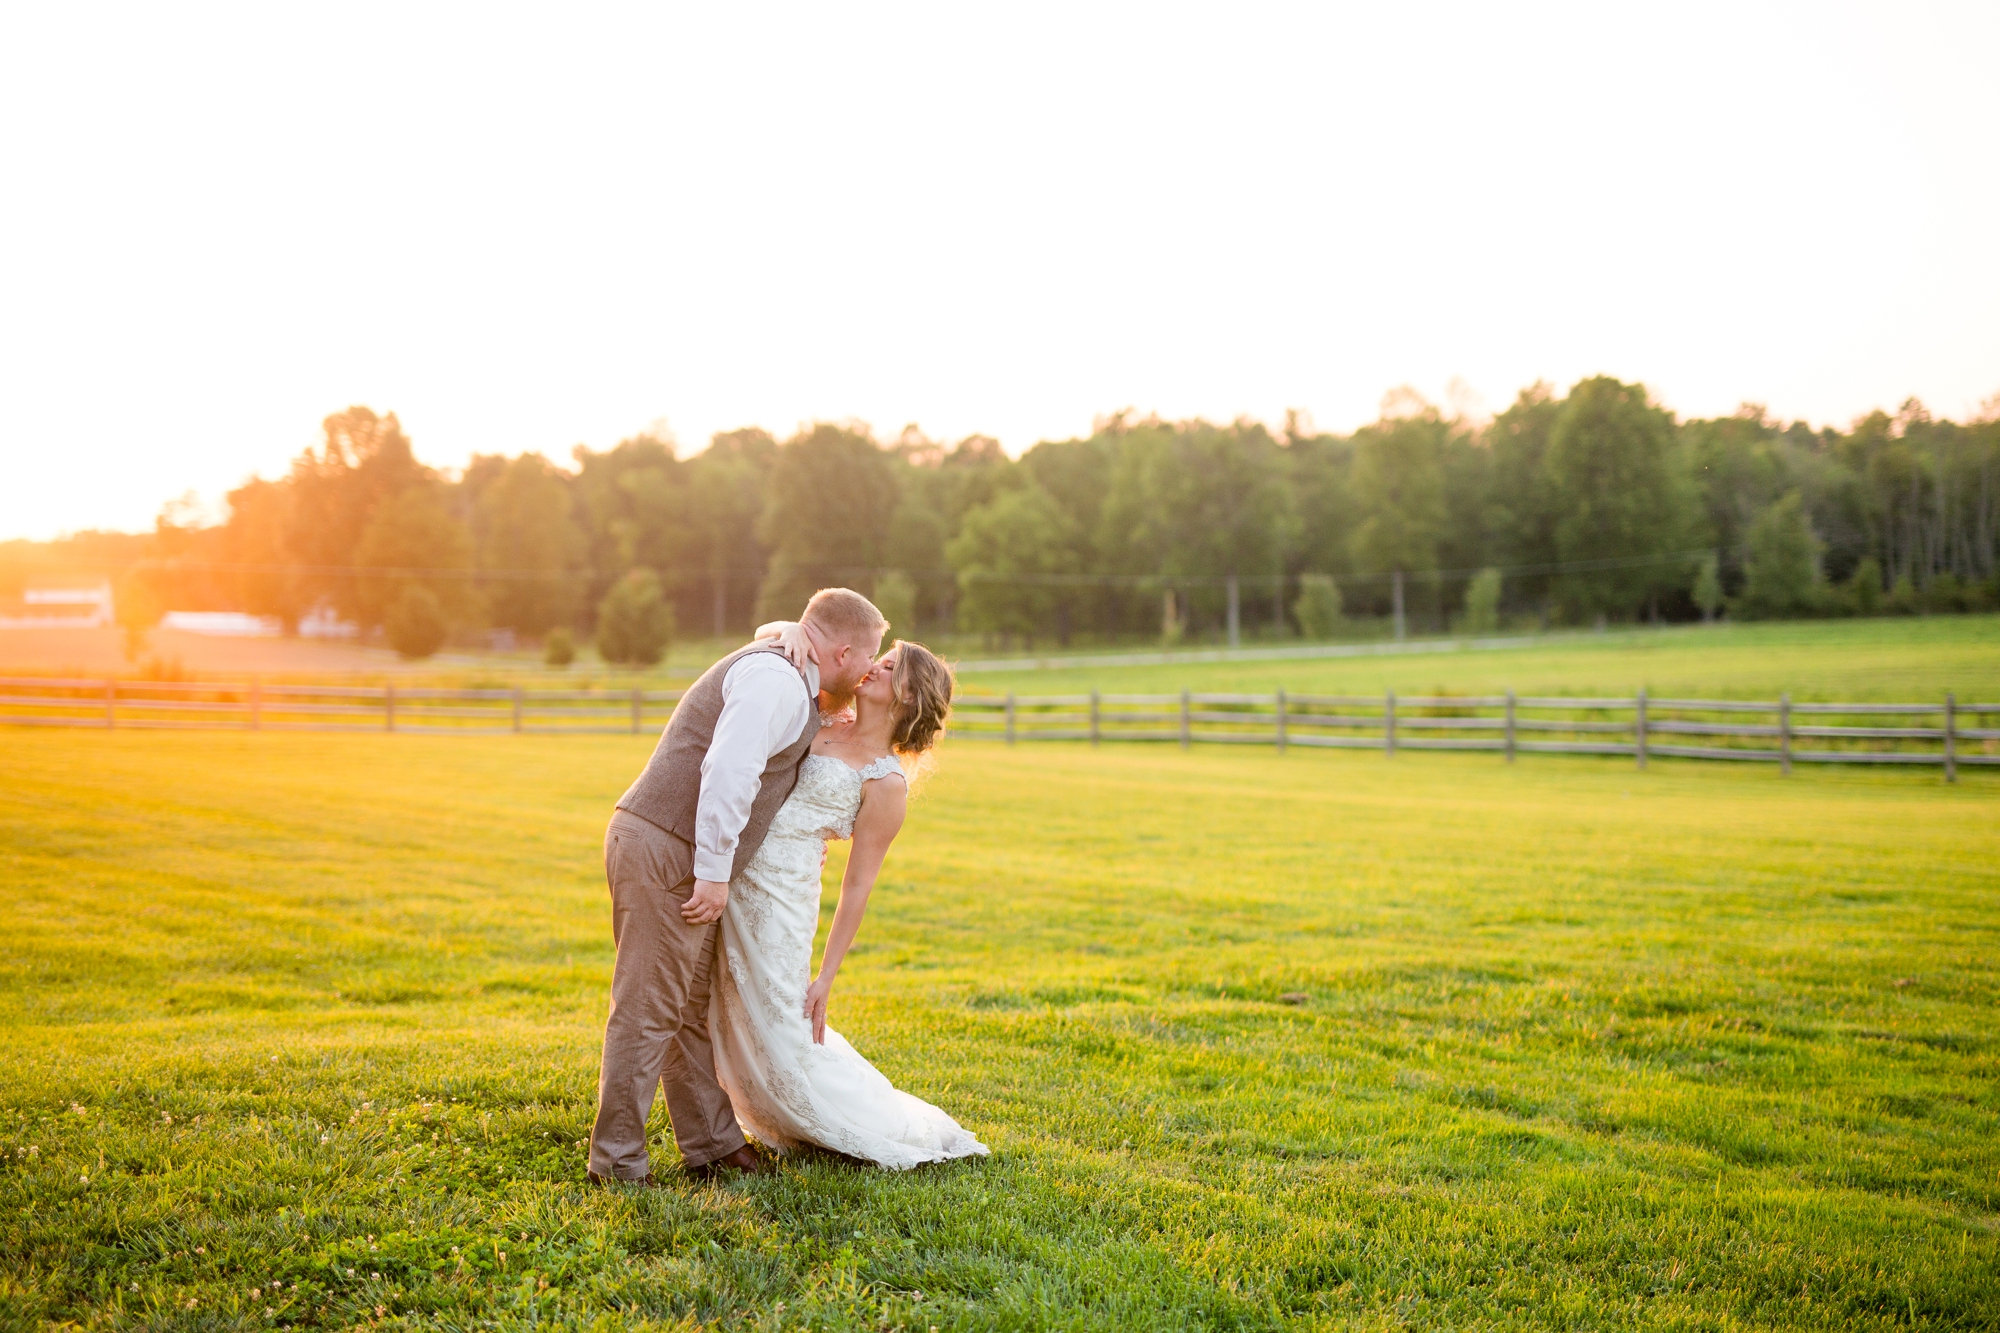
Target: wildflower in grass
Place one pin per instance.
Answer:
(201, 1249)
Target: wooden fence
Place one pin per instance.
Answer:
(253, 706)
(1774, 731)
(1946, 733)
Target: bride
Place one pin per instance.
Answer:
(792, 1079)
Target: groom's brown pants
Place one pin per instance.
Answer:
(657, 1035)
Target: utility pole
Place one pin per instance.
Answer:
(1235, 613)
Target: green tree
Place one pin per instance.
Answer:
(826, 517)
(526, 541)
(638, 512)
(725, 562)
(256, 541)
(364, 462)
(1399, 493)
(1076, 474)
(1524, 502)
(1202, 503)
(1004, 555)
(1318, 606)
(416, 623)
(1319, 474)
(1618, 493)
(635, 622)
(414, 539)
(1783, 574)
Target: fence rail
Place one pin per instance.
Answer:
(1639, 727)
(253, 706)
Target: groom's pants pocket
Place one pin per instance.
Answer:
(642, 856)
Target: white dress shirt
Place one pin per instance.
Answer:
(765, 704)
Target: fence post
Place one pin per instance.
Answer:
(1639, 729)
(1389, 724)
(1785, 734)
(1510, 726)
(517, 708)
(1093, 717)
(1187, 734)
(638, 702)
(1950, 736)
(256, 703)
(1010, 717)
(1281, 721)
(110, 704)
(388, 708)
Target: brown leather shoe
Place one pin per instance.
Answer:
(644, 1182)
(744, 1161)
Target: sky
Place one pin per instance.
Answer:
(528, 228)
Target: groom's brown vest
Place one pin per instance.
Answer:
(667, 792)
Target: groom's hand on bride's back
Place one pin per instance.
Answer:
(705, 904)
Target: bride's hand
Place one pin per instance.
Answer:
(816, 1008)
(792, 641)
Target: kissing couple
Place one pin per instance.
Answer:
(714, 859)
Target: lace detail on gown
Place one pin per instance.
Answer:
(786, 1089)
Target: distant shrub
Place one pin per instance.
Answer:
(1863, 590)
(1482, 602)
(559, 648)
(1708, 587)
(416, 623)
(1944, 593)
(1903, 598)
(137, 608)
(1318, 607)
(635, 622)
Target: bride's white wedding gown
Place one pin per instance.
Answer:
(787, 1089)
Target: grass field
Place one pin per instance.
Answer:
(315, 1018)
(1909, 659)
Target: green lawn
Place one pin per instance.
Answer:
(1579, 1047)
(1909, 659)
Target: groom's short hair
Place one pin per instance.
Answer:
(845, 615)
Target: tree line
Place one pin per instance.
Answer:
(1591, 506)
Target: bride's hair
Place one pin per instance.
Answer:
(923, 686)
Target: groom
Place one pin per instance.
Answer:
(697, 814)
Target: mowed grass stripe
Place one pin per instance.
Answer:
(1580, 1046)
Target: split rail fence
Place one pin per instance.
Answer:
(1944, 733)
(254, 706)
(1774, 731)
